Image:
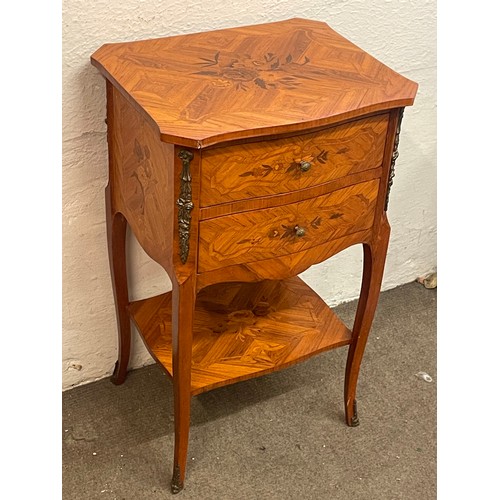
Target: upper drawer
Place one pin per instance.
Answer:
(279, 166)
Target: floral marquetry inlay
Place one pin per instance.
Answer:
(295, 168)
(207, 88)
(268, 72)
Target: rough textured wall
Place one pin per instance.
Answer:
(400, 33)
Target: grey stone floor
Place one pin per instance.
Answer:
(281, 436)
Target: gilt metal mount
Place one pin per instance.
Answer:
(355, 419)
(395, 154)
(185, 204)
(176, 484)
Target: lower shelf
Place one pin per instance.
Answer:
(243, 330)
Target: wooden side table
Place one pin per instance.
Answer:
(240, 158)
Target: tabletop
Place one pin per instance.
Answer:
(206, 88)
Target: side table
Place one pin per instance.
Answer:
(239, 158)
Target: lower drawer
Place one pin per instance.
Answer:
(273, 232)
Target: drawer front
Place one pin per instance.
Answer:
(273, 232)
(271, 167)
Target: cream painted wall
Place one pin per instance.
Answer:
(400, 33)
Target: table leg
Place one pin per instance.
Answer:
(373, 269)
(116, 232)
(183, 303)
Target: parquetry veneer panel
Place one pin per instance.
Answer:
(243, 330)
(286, 229)
(286, 165)
(286, 76)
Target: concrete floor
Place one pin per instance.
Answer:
(281, 436)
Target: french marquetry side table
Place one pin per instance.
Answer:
(239, 158)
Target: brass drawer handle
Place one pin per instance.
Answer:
(305, 166)
(300, 231)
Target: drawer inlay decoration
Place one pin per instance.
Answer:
(281, 230)
(296, 167)
(267, 168)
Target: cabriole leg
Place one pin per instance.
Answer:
(116, 232)
(374, 255)
(183, 302)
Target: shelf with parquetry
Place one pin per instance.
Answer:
(242, 330)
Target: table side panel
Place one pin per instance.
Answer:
(141, 179)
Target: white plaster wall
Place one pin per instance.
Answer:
(400, 33)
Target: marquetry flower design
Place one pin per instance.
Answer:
(294, 167)
(316, 222)
(271, 71)
(143, 175)
(290, 231)
(236, 321)
(263, 170)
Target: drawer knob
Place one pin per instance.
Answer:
(300, 231)
(305, 166)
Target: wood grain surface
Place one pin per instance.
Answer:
(374, 256)
(262, 234)
(243, 330)
(289, 76)
(284, 266)
(142, 179)
(266, 168)
(289, 197)
(116, 230)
